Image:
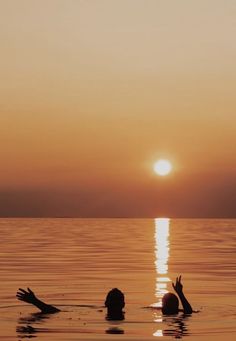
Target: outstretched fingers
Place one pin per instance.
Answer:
(30, 291)
(177, 286)
(24, 295)
(23, 291)
(178, 280)
(20, 296)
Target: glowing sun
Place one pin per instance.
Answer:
(162, 167)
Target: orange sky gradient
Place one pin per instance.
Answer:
(93, 92)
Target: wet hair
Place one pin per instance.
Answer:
(170, 304)
(115, 300)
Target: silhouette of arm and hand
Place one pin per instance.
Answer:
(29, 297)
(178, 287)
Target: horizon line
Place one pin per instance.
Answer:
(115, 217)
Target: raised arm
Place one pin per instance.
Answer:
(29, 297)
(178, 287)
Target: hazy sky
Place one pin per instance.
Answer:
(94, 91)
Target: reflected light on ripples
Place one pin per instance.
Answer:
(158, 333)
(161, 256)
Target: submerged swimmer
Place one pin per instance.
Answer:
(170, 302)
(115, 302)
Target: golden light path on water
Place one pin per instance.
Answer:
(162, 226)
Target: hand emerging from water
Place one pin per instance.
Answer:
(26, 296)
(178, 286)
(29, 297)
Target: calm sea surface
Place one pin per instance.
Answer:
(72, 263)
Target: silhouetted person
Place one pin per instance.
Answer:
(170, 302)
(115, 302)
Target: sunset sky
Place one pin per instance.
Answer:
(93, 92)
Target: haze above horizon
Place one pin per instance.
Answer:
(93, 93)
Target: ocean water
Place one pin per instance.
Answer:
(73, 263)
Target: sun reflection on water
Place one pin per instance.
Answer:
(158, 333)
(161, 257)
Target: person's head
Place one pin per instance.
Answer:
(115, 302)
(170, 304)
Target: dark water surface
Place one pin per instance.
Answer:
(72, 263)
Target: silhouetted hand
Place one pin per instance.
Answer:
(178, 287)
(29, 297)
(26, 296)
